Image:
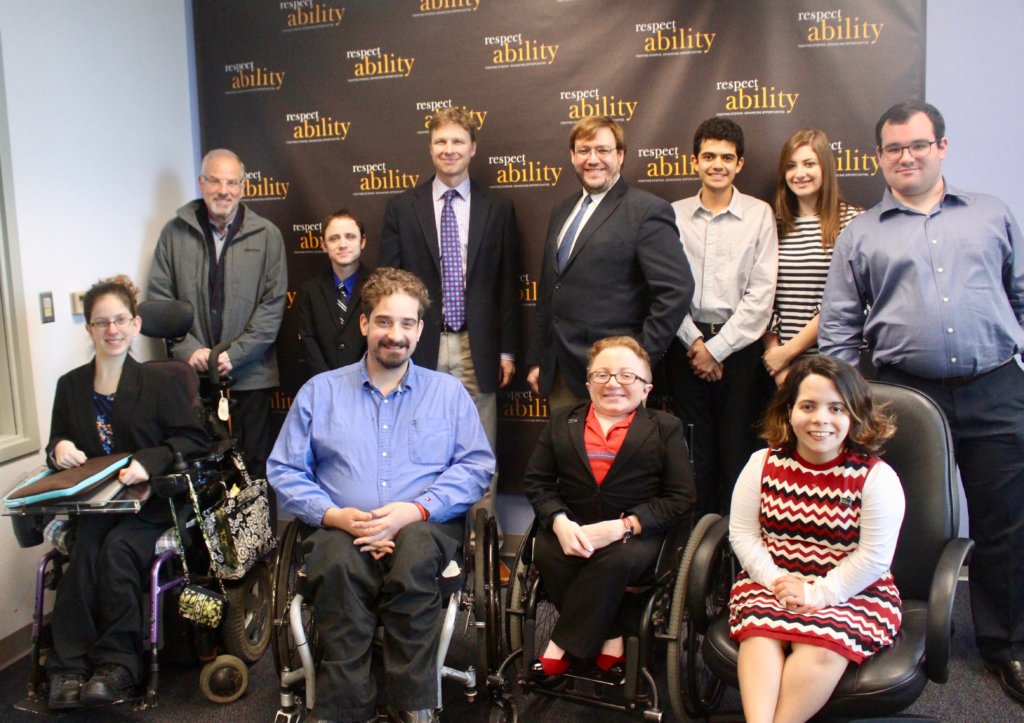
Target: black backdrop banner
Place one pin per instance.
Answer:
(326, 102)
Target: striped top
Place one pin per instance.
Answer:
(803, 269)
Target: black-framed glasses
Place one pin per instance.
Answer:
(918, 149)
(119, 321)
(623, 378)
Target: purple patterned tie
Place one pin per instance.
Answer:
(453, 294)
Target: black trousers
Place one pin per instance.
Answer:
(353, 593)
(987, 420)
(98, 614)
(250, 426)
(589, 592)
(723, 415)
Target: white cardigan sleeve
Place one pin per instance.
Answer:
(881, 515)
(745, 524)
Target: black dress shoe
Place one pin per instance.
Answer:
(428, 715)
(109, 684)
(1011, 677)
(65, 690)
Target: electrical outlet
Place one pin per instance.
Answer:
(78, 302)
(46, 306)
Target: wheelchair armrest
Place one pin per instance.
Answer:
(938, 625)
(698, 578)
(169, 485)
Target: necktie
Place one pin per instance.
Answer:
(565, 247)
(342, 300)
(453, 295)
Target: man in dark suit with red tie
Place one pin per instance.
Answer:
(613, 265)
(462, 241)
(328, 304)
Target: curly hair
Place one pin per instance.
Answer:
(386, 281)
(120, 286)
(871, 425)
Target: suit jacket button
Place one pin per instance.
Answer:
(557, 286)
(341, 345)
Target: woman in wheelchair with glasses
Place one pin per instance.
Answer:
(112, 404)
(814, 523)
(604, 473)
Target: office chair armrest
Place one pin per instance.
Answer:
(938, 625)
(699, 577)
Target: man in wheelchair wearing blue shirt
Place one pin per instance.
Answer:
(381, 459)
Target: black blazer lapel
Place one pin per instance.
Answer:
(423, 205)
(604, 210)
(123, 415)
(355, 301)
(329, 294)
(558, 219)
(576, 424)
(639, 432)
(479, 208)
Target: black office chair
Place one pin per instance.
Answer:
(926, 565)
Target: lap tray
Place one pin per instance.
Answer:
(92, 487)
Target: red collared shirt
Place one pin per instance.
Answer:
(602, 448)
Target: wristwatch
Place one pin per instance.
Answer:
(628, 524)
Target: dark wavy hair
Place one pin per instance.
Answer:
(871, 425)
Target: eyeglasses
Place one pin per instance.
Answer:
(600, 151)
(918, 149)
(233, 183)
(623, 378)
(119, 321)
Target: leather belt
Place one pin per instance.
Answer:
(445, 329)
(709, 330)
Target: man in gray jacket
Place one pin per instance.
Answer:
(230, 263)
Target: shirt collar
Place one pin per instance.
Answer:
(950, 194)
(438, 188)
(349, 281)
(409, 379)
(595, 198)
(735, 206)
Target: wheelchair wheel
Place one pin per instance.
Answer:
(288, 563)
(248, 624)
(504, 710)
(224, 680)
(693, 691)
(523, 603)
(486, 593)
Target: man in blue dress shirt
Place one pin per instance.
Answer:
(940, 272)
(381, 460)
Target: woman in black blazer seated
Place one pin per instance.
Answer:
(112, 404)
(604, 473)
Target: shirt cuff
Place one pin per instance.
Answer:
(508, 357)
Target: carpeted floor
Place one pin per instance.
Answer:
(971, 695)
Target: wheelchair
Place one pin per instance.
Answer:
(474, 590)
(661, 630)
(245, 629)
(926, 565)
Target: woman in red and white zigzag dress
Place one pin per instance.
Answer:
(814, 523)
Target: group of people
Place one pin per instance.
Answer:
(392, 440)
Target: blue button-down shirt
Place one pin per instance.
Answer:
(944, 290)
(344, 444)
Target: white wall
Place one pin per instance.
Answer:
(102, 150)
(103, 146)
(973, 77)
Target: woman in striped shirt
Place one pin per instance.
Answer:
(810, 214)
